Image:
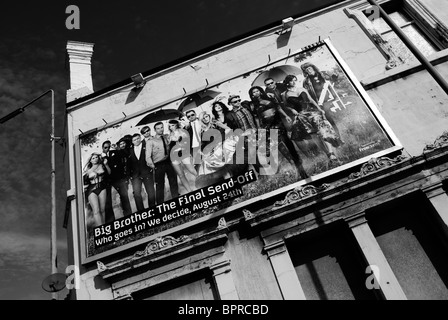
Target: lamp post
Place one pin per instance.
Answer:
(53, 139)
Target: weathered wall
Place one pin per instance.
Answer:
(415, 107)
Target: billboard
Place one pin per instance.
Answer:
(286, 124)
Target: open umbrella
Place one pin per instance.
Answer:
(277, 73)
(197, 99)
(160, 115)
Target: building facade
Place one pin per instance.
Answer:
(372, 225)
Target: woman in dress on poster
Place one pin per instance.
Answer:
(272, 116)
(226, 122)
(223, 115)
(315, 84)
(217, 156)
(310, 119)
(94, 176)
(180, 153)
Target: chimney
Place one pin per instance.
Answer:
(79, 55)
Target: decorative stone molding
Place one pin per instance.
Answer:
(300, 193)
(159, 244)
(374, 165)
(153, 246)
(163, 248)
(101, 267)
(222, 224)
(247, 214)
(440, 142)
(210, 210)
(211, 259)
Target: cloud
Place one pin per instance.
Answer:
(25, 164)
(24, 264)
(25, 252)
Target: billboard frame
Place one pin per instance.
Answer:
(81, 218)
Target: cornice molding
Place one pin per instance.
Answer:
(159, 244)
(440, 142)
(162, 248)
(152, 247)
(375, 164)
(300, 193)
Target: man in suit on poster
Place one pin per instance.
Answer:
(158, 158)
(193, 126)
(110, 216)
(141, 173)
(119, 176)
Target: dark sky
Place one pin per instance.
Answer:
(130, 37)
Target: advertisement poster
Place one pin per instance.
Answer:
(295, 119)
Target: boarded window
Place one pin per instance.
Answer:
(414, 247)
(329, 265)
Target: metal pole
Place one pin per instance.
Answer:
(425, 62)
(22, 109)
(54, 268)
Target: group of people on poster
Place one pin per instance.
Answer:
(295, 110)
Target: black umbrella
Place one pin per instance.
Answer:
(197, 99)
(276, 73)
(160, 115)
